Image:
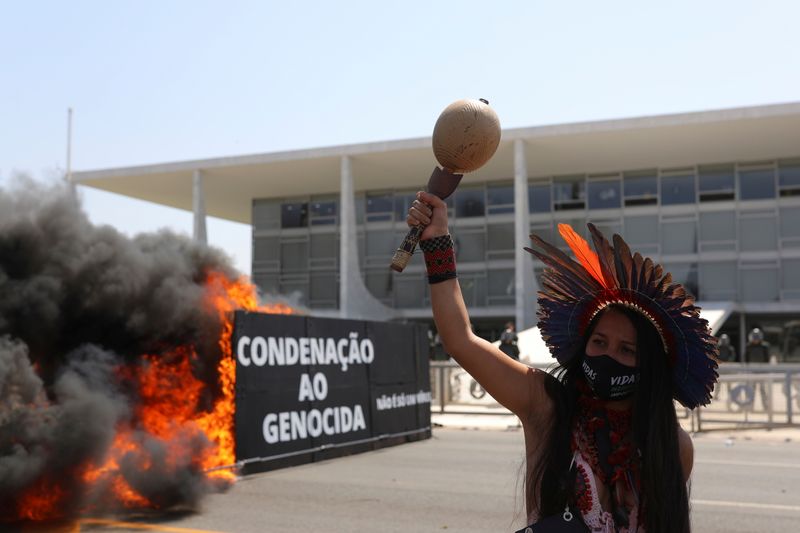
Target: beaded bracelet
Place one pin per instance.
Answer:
(440, 259)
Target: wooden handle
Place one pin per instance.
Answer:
(403, 254)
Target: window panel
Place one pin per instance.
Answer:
(569, 193)
(790, 222)
(757, 233)
(267, 283)
(500, 240)
(677, 189)
(501, 287)
(789, 177)
(718, 281)
(717, 183)
(409, 291)
(790, 277)
(500, 198)
(379, 207)
(758, 283)
(324, 289)
(678, 237)
(294, 256)
(380, 243)
(324, 249)
(473, 288)
(539, 197)
(323, 211)
(544, 230)
(470, 202)
(470, 245)
(717, 231)
(402, 203)
(296, 290)
(266, 214)
(266, 250)
(641, 188)
(756, 184)
(641, 233)
(604, 194)
(294, 214)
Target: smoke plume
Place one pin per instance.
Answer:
(80, 307)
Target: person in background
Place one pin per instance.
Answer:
(508, 342)
(757, 350)
(727, 353)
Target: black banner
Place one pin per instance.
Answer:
(310, 388)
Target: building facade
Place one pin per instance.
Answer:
(713, 196)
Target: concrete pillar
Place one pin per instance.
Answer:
(199, 207)
(355, 300)
(525, 282)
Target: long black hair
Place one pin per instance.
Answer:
(664, 501)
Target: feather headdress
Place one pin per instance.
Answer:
(573, 292)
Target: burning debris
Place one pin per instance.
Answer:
(116, 380)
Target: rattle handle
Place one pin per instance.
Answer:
(403, 254)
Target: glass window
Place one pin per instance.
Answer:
(717, 183)
(265, 249)
(473, 288)
(757, 233)
(718, 281)
(756, 184)
(544, 230)
(324, 289)
(470, 245)
(295, 289)
(409, 291)
(470, 202)
(758, 282)
(501, 198)
(641, 188)
(267, 283)
(790, 278)
(266, 214)
(379, 207)
(501, 287)
(677, 189)
(380, 243)
(641, 233)
(607, 227)
(379, 283)
(539, 197)
(323, 211)
(294, 214)
(569, 193)
(678, 237)
(324, 249)
(685, 274)
(789, 177)
(294, 256)
(402, 203)
(604, 194)
(717, 231)
(500, 240)
(790, 222)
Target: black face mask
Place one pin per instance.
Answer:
(609, 379)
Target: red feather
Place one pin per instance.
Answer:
(585, 255)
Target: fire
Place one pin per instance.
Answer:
(173, 408)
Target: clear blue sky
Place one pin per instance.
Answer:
(157, 81)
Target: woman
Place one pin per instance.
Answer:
(603, 446)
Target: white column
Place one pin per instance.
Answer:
(525, 282)
(355, 300)
(199, 207)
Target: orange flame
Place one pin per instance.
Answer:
(175, 407)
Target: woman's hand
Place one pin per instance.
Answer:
(430, 211)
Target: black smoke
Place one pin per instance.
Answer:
(77, 301)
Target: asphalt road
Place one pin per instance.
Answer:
(471, 481)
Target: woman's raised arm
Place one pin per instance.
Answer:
(513, 384)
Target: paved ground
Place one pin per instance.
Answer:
(469, 480)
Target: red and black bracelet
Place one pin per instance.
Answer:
(440, 258)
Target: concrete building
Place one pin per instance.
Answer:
(712, 195)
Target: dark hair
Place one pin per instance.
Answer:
(664, 501)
